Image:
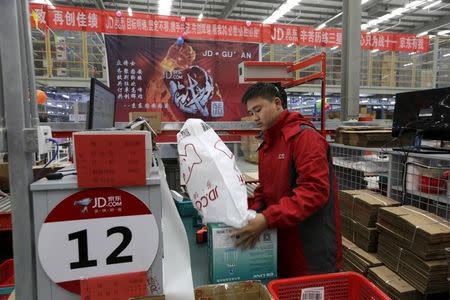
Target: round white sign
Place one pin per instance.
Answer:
(95, 233)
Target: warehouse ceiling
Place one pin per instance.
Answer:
(307, 12)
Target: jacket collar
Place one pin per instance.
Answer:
(288, 125)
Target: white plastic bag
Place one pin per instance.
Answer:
(213, 181)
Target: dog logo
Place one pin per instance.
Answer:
(84, 203)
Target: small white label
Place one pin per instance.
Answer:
(314, 293)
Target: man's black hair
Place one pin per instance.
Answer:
(267, 91)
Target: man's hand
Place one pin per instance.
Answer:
(247, 236)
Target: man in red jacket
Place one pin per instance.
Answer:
(297, 191)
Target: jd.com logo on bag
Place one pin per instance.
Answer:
(213, 181)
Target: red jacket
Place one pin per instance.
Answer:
(298, 195)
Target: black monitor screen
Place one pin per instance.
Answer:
(425, 111)
(102, 106)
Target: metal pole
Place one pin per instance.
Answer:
(29, 66)
(12, 56)
(435, 62)
(351, 60)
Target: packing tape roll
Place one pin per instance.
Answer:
(177, 285)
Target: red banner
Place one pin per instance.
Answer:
(81, 19)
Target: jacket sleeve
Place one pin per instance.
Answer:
(312, 183)
(258, 201)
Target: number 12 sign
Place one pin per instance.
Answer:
(95, 233)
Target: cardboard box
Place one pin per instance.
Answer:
(246, 290)
(428, 277)
(362, 205)
(392, 284)
(4, 177)
(356, 259)
(227, 263)
(364, 237)
(419, 231)
(364, 136)
(153, 118)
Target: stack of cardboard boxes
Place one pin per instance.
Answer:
(411, 261)
(359, 210)
(412, 243)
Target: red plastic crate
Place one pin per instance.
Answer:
(337, 286)
(6, 278)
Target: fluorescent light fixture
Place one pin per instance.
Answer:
(164, 7)
(446, 55)
(431, 5)
(281, 11)
(375, 50)
(411, 53)
(130, 11)
(414, 4)
(290, 45)
(321, 26)
(46, 2)
(422, 33)
(443, 32)
(384, 99)
(364, 1)
(364, 26)
(408, 64)
(324, 24)
(200, 17)
(334, 48)
(399, 11)
(374, 30)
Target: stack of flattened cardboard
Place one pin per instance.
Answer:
(367, 136)
(424, 233)
(359, 210)
(362, 205)
(392, 284)
(356, 259)
(428, 277)
(365, 237)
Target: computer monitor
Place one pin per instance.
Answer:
(102, 106)
(426, 113)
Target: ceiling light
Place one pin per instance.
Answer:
(290, 45)
(364, 26)
(422, 33)
(446, 55)
(431, 5)
(46, 2)
(408, 64)
(130, 11)
(281, 11)
(334, 48)
(374, 30)
(375, 50)
(443, 32)
(412, 53)
(399, 11)
(364, 1)
(414, 4)
(200, 17)
(321, 26)
(164, 7)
